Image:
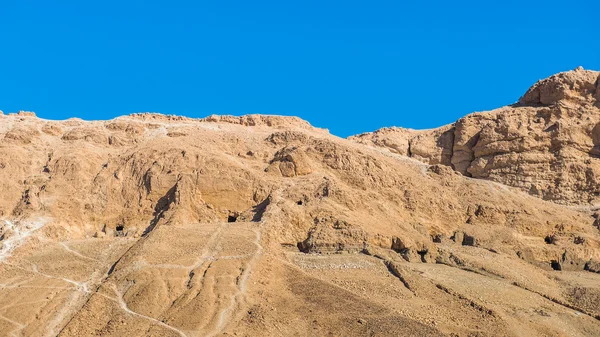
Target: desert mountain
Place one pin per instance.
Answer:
(154, 225)
(547, 144)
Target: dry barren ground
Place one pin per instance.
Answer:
(153, 225)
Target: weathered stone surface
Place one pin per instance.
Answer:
(547, 145)
(263, 225)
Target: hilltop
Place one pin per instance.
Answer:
(546, 144)
(160, 225)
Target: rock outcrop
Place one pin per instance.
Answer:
(154, 225)
(547, 144)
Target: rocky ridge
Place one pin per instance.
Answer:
(547, 144)
(264, 225)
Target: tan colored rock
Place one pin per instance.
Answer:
(126, 126)
(291, 162)
(52, 129)
(259, 120)
(548, 145)
(431, 146)
(94, 135)
(576, 85)
(265, 226)
(26, 113)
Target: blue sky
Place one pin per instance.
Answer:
(350, 66)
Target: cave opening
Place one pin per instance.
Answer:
(119, 230)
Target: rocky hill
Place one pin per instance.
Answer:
(547, 144)
(154, 225)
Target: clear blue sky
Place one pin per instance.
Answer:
(350, 66)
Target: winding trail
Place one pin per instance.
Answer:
(18, 233)
(70, 250)
(124, 306)
(225, 315)
(210, 247)
(19, 325)
(225, 300)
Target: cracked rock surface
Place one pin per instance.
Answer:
(547, 144)
(154, 225)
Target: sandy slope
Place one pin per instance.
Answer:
(152, 225)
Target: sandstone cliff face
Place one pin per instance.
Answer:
(263, 225)
(547, 145)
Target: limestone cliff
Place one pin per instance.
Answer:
(154, 225)
(547, 144)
